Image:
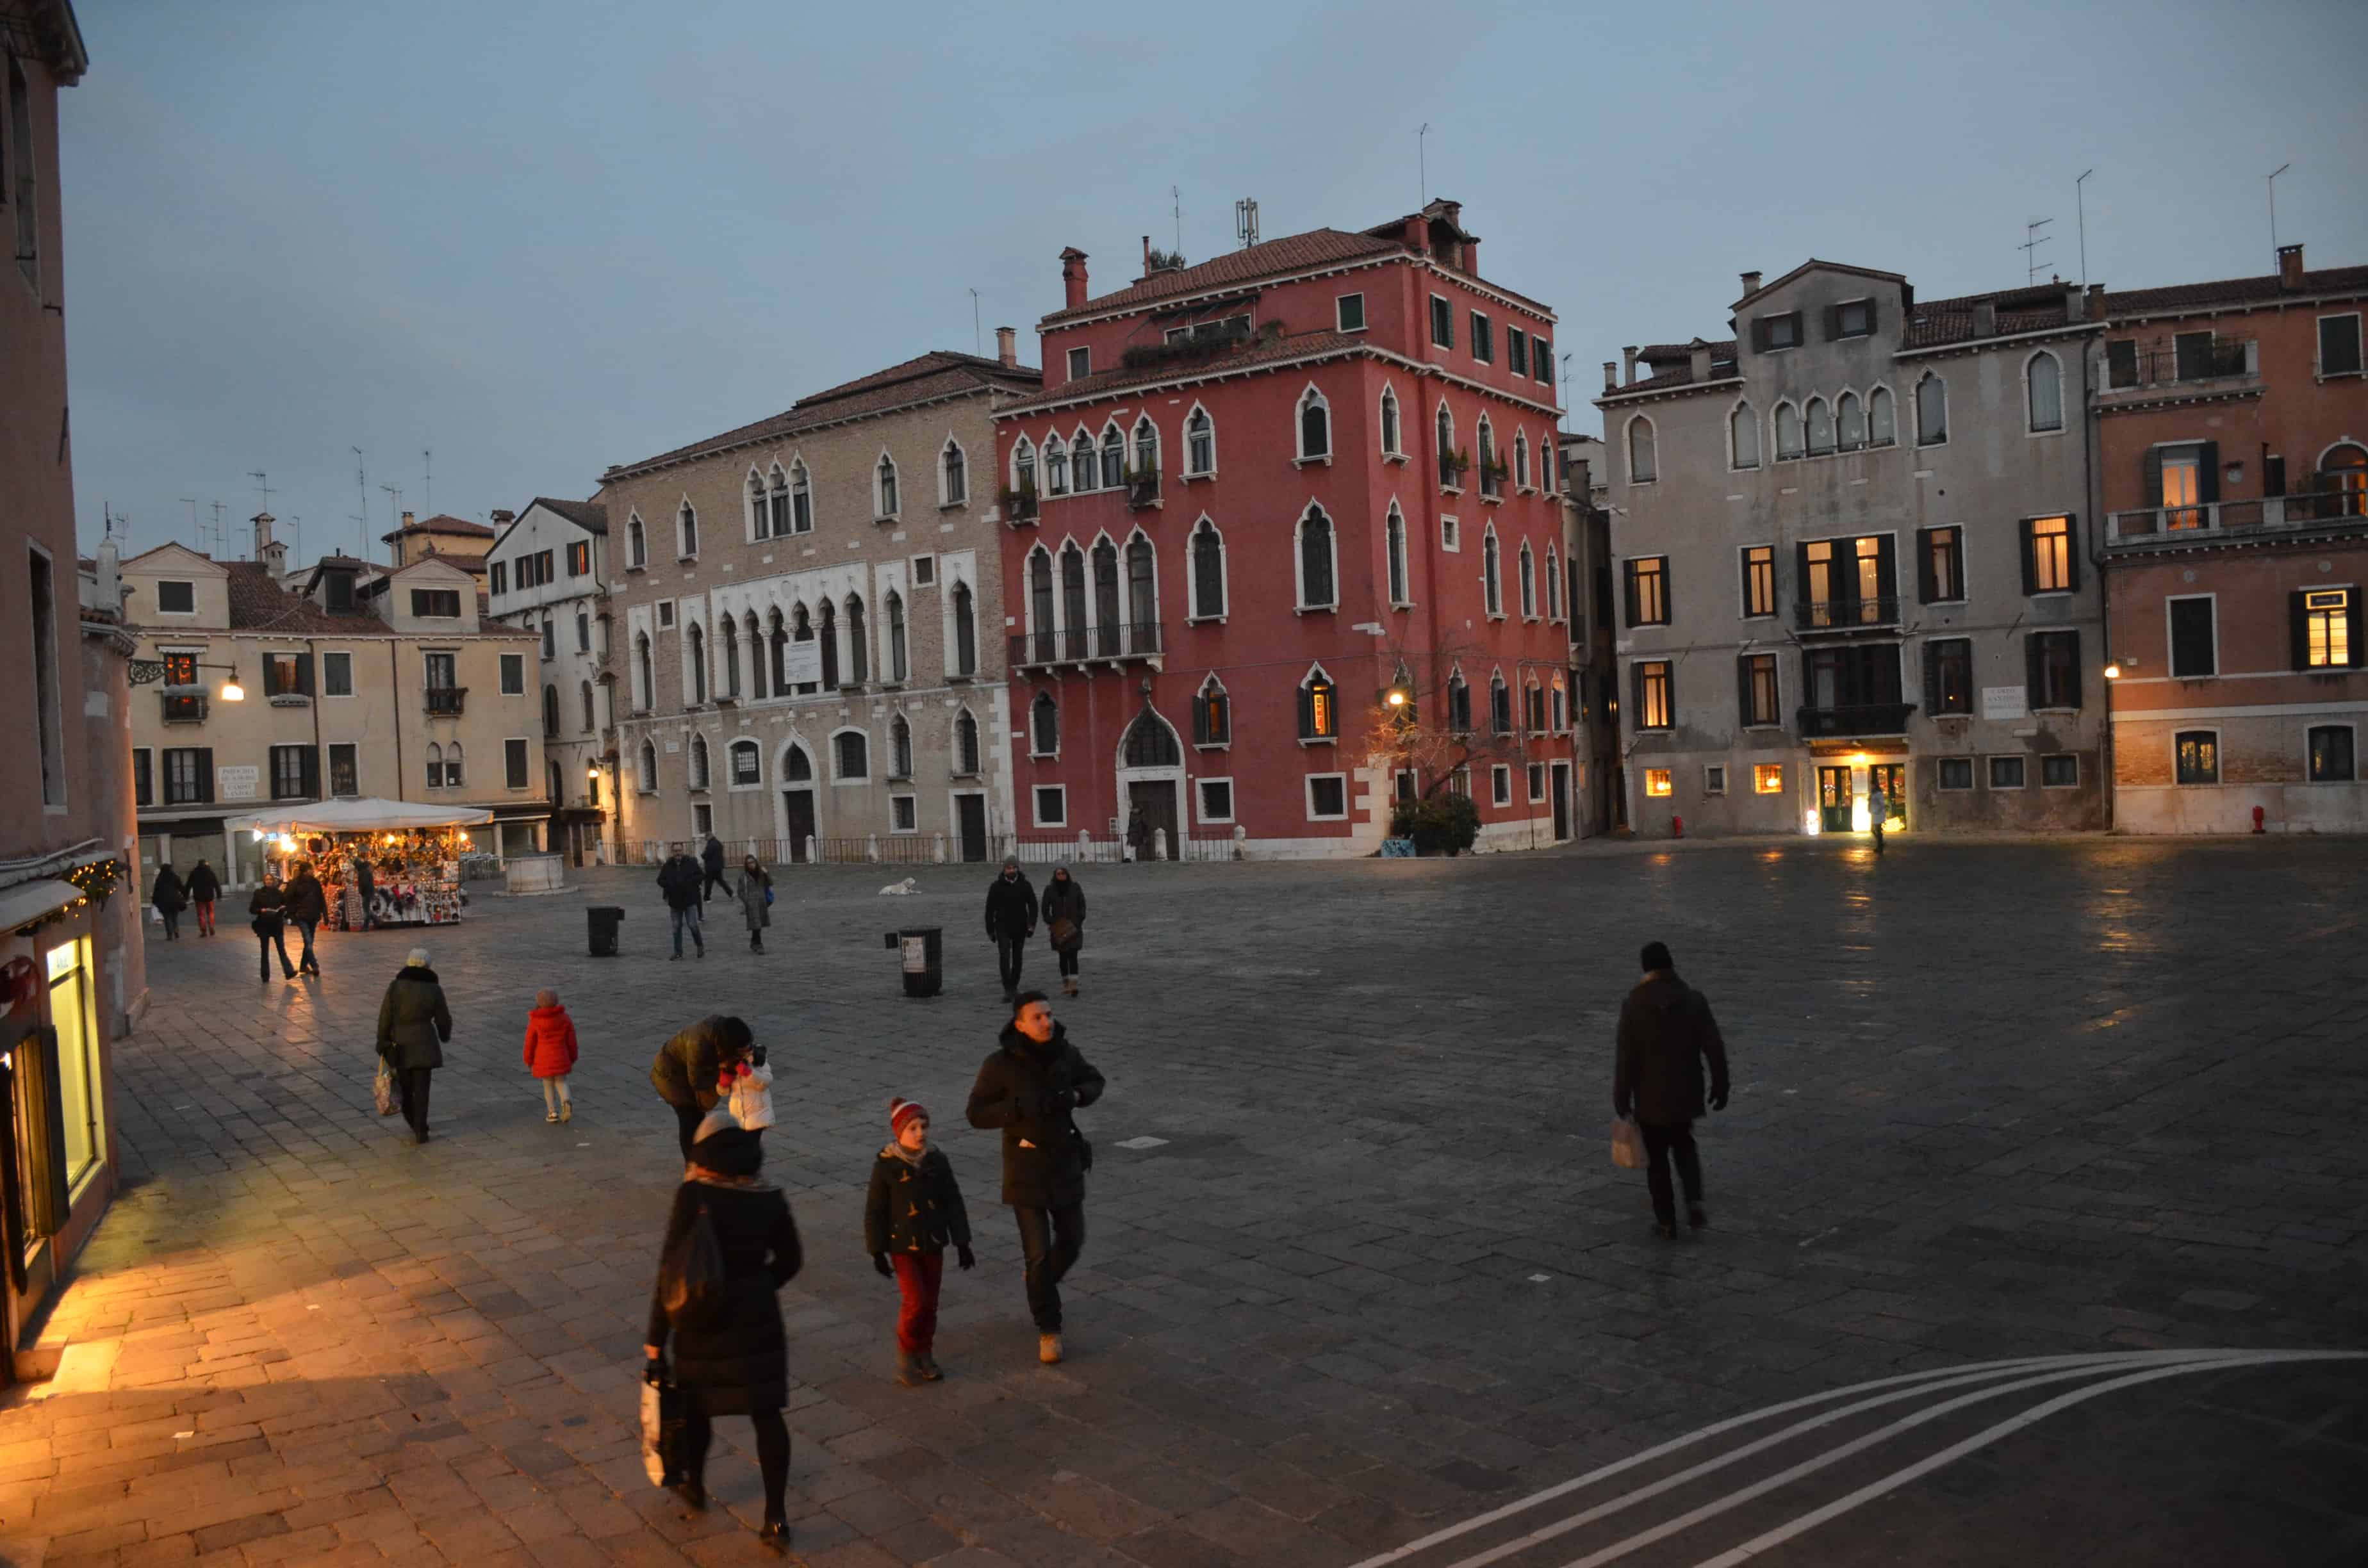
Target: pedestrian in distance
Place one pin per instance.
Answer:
(266, 912)
(745, 1089)
(679, 879)
(308, 906)
(1029, 1088)
(756, 896)
(723, 1312)
(711, 860)
(686, 1069)
(413, 1025)
(366, 886)
(1878, 807)
(1063, 908)
(170, 898)
(1666, 1033)
(1010, 921)
(1138, 836)
(551, 1053)
(205, 892)
(911, 1215)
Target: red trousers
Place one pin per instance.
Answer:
(918, 1277)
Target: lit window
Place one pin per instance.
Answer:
(2048, 564)
(2198, 756)
(2325, 639)
(1654, 708)
(1657, 781)
(1768, 779)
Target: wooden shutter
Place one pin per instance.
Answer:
(1833, 323)
(1306, 711)
(1628, 572)
(1635, 697)
(1931, 679)
(1759, 334)
(2071, 668)
(2034, 670)
(1801, 569)
(2153, 477)
(1668, 604)
(2030, 561)
(1874, 314)
(2352, 629)
(1887, 570)
(304, 673)
(2298, 629)
(311, 769)
(2072, 553)
(1927, 588)
(45, 1131)
(2207, 478)
(206, 774)
(1743, 713)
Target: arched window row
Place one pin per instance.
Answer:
(780, 501)
(1815, 429)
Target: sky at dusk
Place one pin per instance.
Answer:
(538, 239)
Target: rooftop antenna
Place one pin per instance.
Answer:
(220, 540)
(1422, 161)
(394, 512)
(2273, 205)
(262, 489)
(1177, 197)
(977, 333)
(2080, 201)
(361, 484)
(195, 538)
(1246, 221)
(427, 480)
(2030, 247)
(1566, 378)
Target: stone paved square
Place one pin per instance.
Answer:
(1377, 1276)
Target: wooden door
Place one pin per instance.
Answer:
(1560, 775)
(1157, 801)
(1834, 798)
(798, 806)
(971, 820)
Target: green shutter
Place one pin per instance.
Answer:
(2153, 477)
(2030, 561)
(2208, 472)
(1927, 588)
(2298, 628)
(206, 774)
(2072, 551)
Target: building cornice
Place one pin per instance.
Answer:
(2240, 308)
(1243, 288)
(1999, 340)
(1210, 375)
(778, 437)
(1650, 394)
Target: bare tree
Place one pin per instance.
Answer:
(1425, 733)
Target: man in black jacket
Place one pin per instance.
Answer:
(1010, 921)
(678, 878)
(1029, 1088)
(1666, 1030)
(711, 860)
(308, 906)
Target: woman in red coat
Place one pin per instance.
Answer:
(551, 1053)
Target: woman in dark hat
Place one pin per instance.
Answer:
(732, 1357)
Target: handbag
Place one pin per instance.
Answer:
(382, 1087)
(691, 1282)
(1064, 932)
(1627, 1144)
(661, 1425)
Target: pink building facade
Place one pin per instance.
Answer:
(1255, 496)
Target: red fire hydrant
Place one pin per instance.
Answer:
(2258, 814)
(1676, 827)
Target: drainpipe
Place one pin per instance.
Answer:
(2104, 578)
(394, 706)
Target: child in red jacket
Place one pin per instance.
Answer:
(551, 1052)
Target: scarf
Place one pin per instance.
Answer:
(896, 1147)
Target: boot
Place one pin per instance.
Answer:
(908, 1370)
(1697, 1216)
(774, 1536)
(1069, 986)
(931, 1372)
(1048, 1349)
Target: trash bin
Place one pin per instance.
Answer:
(923, 950)
(601, 920)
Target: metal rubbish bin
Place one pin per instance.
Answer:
(924, 950)
(601, 920)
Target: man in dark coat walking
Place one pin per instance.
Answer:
(679, 879)
(308, 906)
(686, 1067)
(366, 884)
(1029, 1088)
(1666, 1030)
(711, 860)
(1010, 921)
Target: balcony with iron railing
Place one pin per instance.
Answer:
(1113, 643)
(1019, 508)
(2170, 526)
(1853, 723)
(183, 707)
(1844, 615)
(445, 701)
(2158, 364)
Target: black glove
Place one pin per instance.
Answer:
(969, 1258)
(880, 1262)
(1718, 1100)
(1063, 1100)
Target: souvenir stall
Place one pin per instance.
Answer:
(414, 853)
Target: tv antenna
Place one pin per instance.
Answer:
(395, 506)
(196, 537)
(221, 541)
(262, 489)
(1246, 221)
(362, 485)
(2273, 205)
(1422, 160)
(2032, 240)
(2082, 206)
(427, 480)
(1177, 197)
(977, 333)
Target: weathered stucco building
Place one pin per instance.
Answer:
(547, 573)
(805, 636)
(1854, 546)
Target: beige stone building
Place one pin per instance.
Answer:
(807, 635)
(368, 683)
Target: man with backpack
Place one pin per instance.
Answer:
(679, 880)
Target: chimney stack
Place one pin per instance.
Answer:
(1628, 365)
(1073, 278)
(1751, 283)
(2290, 268)
(1611, 376)
(406, 519)
(2095, 311)
(503, 520)
(1007, 346)
(1698, 359)
(1146, 256)
(1985, 318)
(2075, 302)
(273, 554)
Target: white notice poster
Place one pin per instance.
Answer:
(2003, 702)
(802, 663)
(235, 783)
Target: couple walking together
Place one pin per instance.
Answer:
(1012, 910)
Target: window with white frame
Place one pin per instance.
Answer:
(1328, 797)
(1317, 579)
(953, 474)
(966, 748)
(1023, 466)
(883, 488)
(1216, 799)
(1492, 585)
(2043, 382)
(1789, 444)
(1319, 706)
(646, 774)
(900, 748)
(1207, 575)
(1442, 322)
(1051, 802)
(1520, 460)
(1882, 419)
(1199, 443)
(1931, 410)
(1819, 419)
(1451, 536)
(903, 813)
(2339, 345)
(1081, 363)
(697, 762)
(1045, 726)
(802, 512)
(850, 752)
(1528, 583)
(747, 765)
(1147, 449)
(900, 666)
(702, 819)
(686, 532)
(1314, 426)
(637, 550)
(1394, 545)
(1056, 466)
(1849, 422)
(1114, 458)
(1553, 587)
(1213, 715)
(1349, 313)
(1500, 784)
(1484, 339)
(1641, 465)
(1391, 435)
(1451, 461)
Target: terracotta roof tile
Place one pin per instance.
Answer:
(589, 515)
(2233, 292)
(900, 385)
(258, 603)
(1293, 252)
(1259, 351)
(1672, 366)
(2036, 308)
(443, 523)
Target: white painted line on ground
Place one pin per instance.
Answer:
(1563, 1488)
(1899, 1478)
(2180, 1361)
(1146, 1141)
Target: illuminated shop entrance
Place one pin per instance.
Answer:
(1834, 799)
(1890, 781)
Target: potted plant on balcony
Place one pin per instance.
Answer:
(1454, 465)
(1019, 505)
(1142, 487)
